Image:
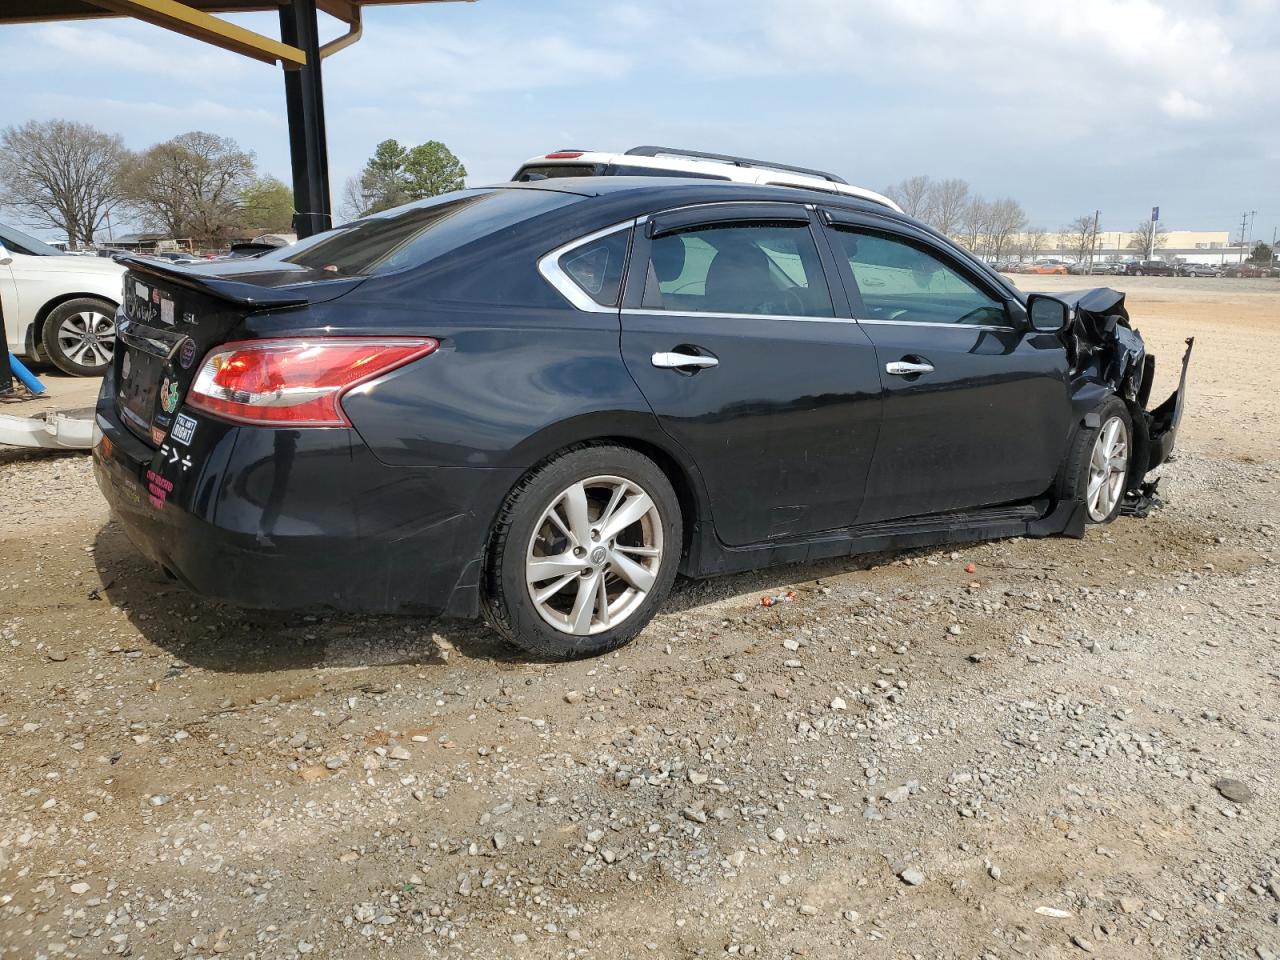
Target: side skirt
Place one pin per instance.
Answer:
(1036, 519)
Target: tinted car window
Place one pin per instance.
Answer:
(552, 170)
(18, 242)
(418, 233)
(900, 280)
(597, 267)
(755, 268)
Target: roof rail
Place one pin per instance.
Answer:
(649, 151)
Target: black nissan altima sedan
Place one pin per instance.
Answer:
(539, 402)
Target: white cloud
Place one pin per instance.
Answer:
(1177, 104)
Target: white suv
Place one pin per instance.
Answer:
(671, 162)
(59, 307)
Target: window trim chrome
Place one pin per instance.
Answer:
(932, 323)
(644, 312)
(549, 267)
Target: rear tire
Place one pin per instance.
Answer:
(80, 336)
(583, 553)
(1096, 471)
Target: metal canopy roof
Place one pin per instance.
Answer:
(298, 50)
(37, 11)
(194, 18)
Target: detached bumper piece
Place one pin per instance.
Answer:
(1155, 432)
(51, 430)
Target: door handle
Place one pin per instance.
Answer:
(906, 368)
(679, 361)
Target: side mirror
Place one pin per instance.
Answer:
(5, 258)
(1047, 314)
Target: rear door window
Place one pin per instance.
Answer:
(748, 268)
(597, 266)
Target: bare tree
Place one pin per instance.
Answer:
(193, 185)
(912, 195)
(947, 200)
(974, 224)
(1148, 236)
(1004, 219)
(1031, 242)
(61, 174)
(355, 202)
(1078, 237)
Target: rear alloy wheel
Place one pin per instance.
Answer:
(584, 553)
(80, 336)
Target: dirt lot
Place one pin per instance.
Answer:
(909, 760)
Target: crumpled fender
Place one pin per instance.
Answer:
(1106, 355)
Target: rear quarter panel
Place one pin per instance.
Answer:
(507, 388)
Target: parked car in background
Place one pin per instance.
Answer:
(651, 161)
(1114, 268)
(1152, 268)
(1047, 267)
(1200, 270)
(1250, 270)
(543, 400)
(58, 307)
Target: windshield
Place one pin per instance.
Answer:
(418, 233)
(16, 241)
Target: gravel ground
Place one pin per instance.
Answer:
(1043, 748)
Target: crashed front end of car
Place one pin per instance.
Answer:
(1106, 355)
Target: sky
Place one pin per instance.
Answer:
(1113, 105)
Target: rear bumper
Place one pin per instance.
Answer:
(285, 519)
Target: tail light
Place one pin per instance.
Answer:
(564, 155)
(296, 382)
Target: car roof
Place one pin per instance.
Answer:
(714, 167)
(676, 190)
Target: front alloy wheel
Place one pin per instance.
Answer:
(1108, 468)
(80, 336)
(594, 555)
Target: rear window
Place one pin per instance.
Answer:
(550, 171)
(414, 235)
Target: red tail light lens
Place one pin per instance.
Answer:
(297, 383)
(564, 155)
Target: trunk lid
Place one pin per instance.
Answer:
(173, 315)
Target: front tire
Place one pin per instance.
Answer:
(1096, 471)
(80, 336)
(583, 554)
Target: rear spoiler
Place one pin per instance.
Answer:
(233, 291)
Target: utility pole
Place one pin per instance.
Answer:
(1244, 225)
(1151, 233)
(1093, 239)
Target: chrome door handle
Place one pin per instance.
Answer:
(678, 361)
(903, 368)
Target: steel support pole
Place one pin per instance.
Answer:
(304, 100)
(6, 372)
